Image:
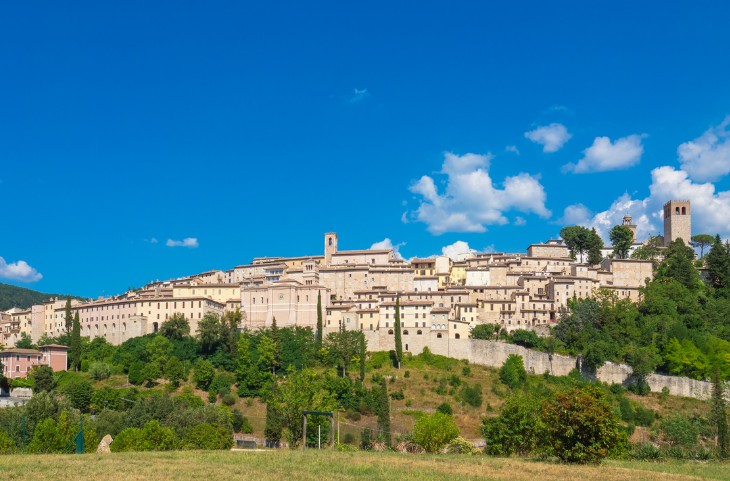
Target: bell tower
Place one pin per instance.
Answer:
(677, 221)
(629, 222)
(330, 247)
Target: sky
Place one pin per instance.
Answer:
(152, 140)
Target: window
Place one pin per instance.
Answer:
(419, 332)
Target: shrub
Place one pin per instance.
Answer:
(581, 426)
(433, 432)
(348, 438)
(407, 374)
(136, 373)
(512, 372)
(472, 395)
(466, 371)
(79, 395)
(48, 438)
(240, 422)
(445, 408)
(517, 429)
(461, 446)
(345, 448)
(157, 438)
(127, 440)
(397, 395)
(207, 436)
(203, 374)
(6, 444)
(190, 400)
(455, 380)
(366, 439)
(229, 399)
(680, 431)
(99, 371)
(644, 417)
(353, 415)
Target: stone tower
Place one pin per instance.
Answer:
(330, 247)
(677, 221)
(629, 222)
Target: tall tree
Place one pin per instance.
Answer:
(209, 332)
(577, 239)
(678, 265)
(650, 251)
(719, 416)
(230, 322)
(702, 241)
(621, 239)
(177, 327)
(398, 340)
(318, 334)
(75, 348)
(595, 244)
(718, 264)
(362, 356)
(69, 316)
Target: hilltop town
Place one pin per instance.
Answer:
(440, 298)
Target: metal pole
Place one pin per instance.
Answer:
(332, 430)
(304, 440)
(319, 436)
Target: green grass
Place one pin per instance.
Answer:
(314, 465)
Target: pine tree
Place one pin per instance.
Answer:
(719, 416)
(318, 338)
(398, 340)
(362, 356)
(69, 316)
(718, 264)
(75, 348)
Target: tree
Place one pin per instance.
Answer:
(485, 331)
(512, 372)
(174, 371)
(342, 348)
(79, 393)
(718, 264)
(433, 432)
(43, 379)
(595, 245)
(576, 238)
(702, 241)
(177, 327)
(75, 348)
(398, 340)
(274, 427)
(621, 239)
(517, 429)
(24, 342)
(203, 374)
(207, 436)
(719, 416)
(135, 374)
(159, 350)
(299, 391)
(318, 335)
(581, 426)
(246, 374)
(229, 331)
(68, 316)
(382, 410)
(209, 332)
(151, 372)
(363, 347)
(649, 251)
(678, 265)
(267, 356)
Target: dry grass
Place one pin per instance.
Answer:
(314, 465)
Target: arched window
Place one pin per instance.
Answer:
(684, 211)
(155, 326)
(330, 240)
(419, 332)
(390, 331)
(676, 211)
(438, 335)
(405, 333)
(457, 336)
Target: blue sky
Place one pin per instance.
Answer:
(255, 128)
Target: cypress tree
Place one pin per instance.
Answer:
(383, 412)
(362, 356)
(69, 316)
(398, 340)
(75, 342)
(719, 417)
(318, 338)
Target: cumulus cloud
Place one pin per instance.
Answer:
(458, 250)
(388, 244)
(709, 208)
(707, 158)
(605, 155)
(470, 201)
(19, 271)
(552, 137)
(190, 242)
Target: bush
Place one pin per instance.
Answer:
(240, 422)
(203, 374)
(433, 432)
(207, 436)
(512, 372)
(229, 399)
(581, 426)
(136, 373)
(345, 448)
(472, 395)
(445, 408)
(680, 431)
(6, 444)
(466, 371)
(518, 428)
(461, 446)
(99, 371)
(397, 395)
(366, 439)
(79, 395)
(48, 438)
(348, 438)
(128, 439)
(190, 400)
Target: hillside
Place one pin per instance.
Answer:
(14, 296)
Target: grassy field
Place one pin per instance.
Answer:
(314, 465)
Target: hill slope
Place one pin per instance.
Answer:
(14, 296)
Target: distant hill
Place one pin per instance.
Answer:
(13, 296)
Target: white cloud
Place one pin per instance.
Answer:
(154, 240)
(458, 250)
(470, 200)
(388, 244)
(190, 242)
(575, 214)
(513, 149)
(709, 208)
(358, 95)
(520, 221)
(552, 137)
(605, 155)
(19, 271)
(707, 158)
